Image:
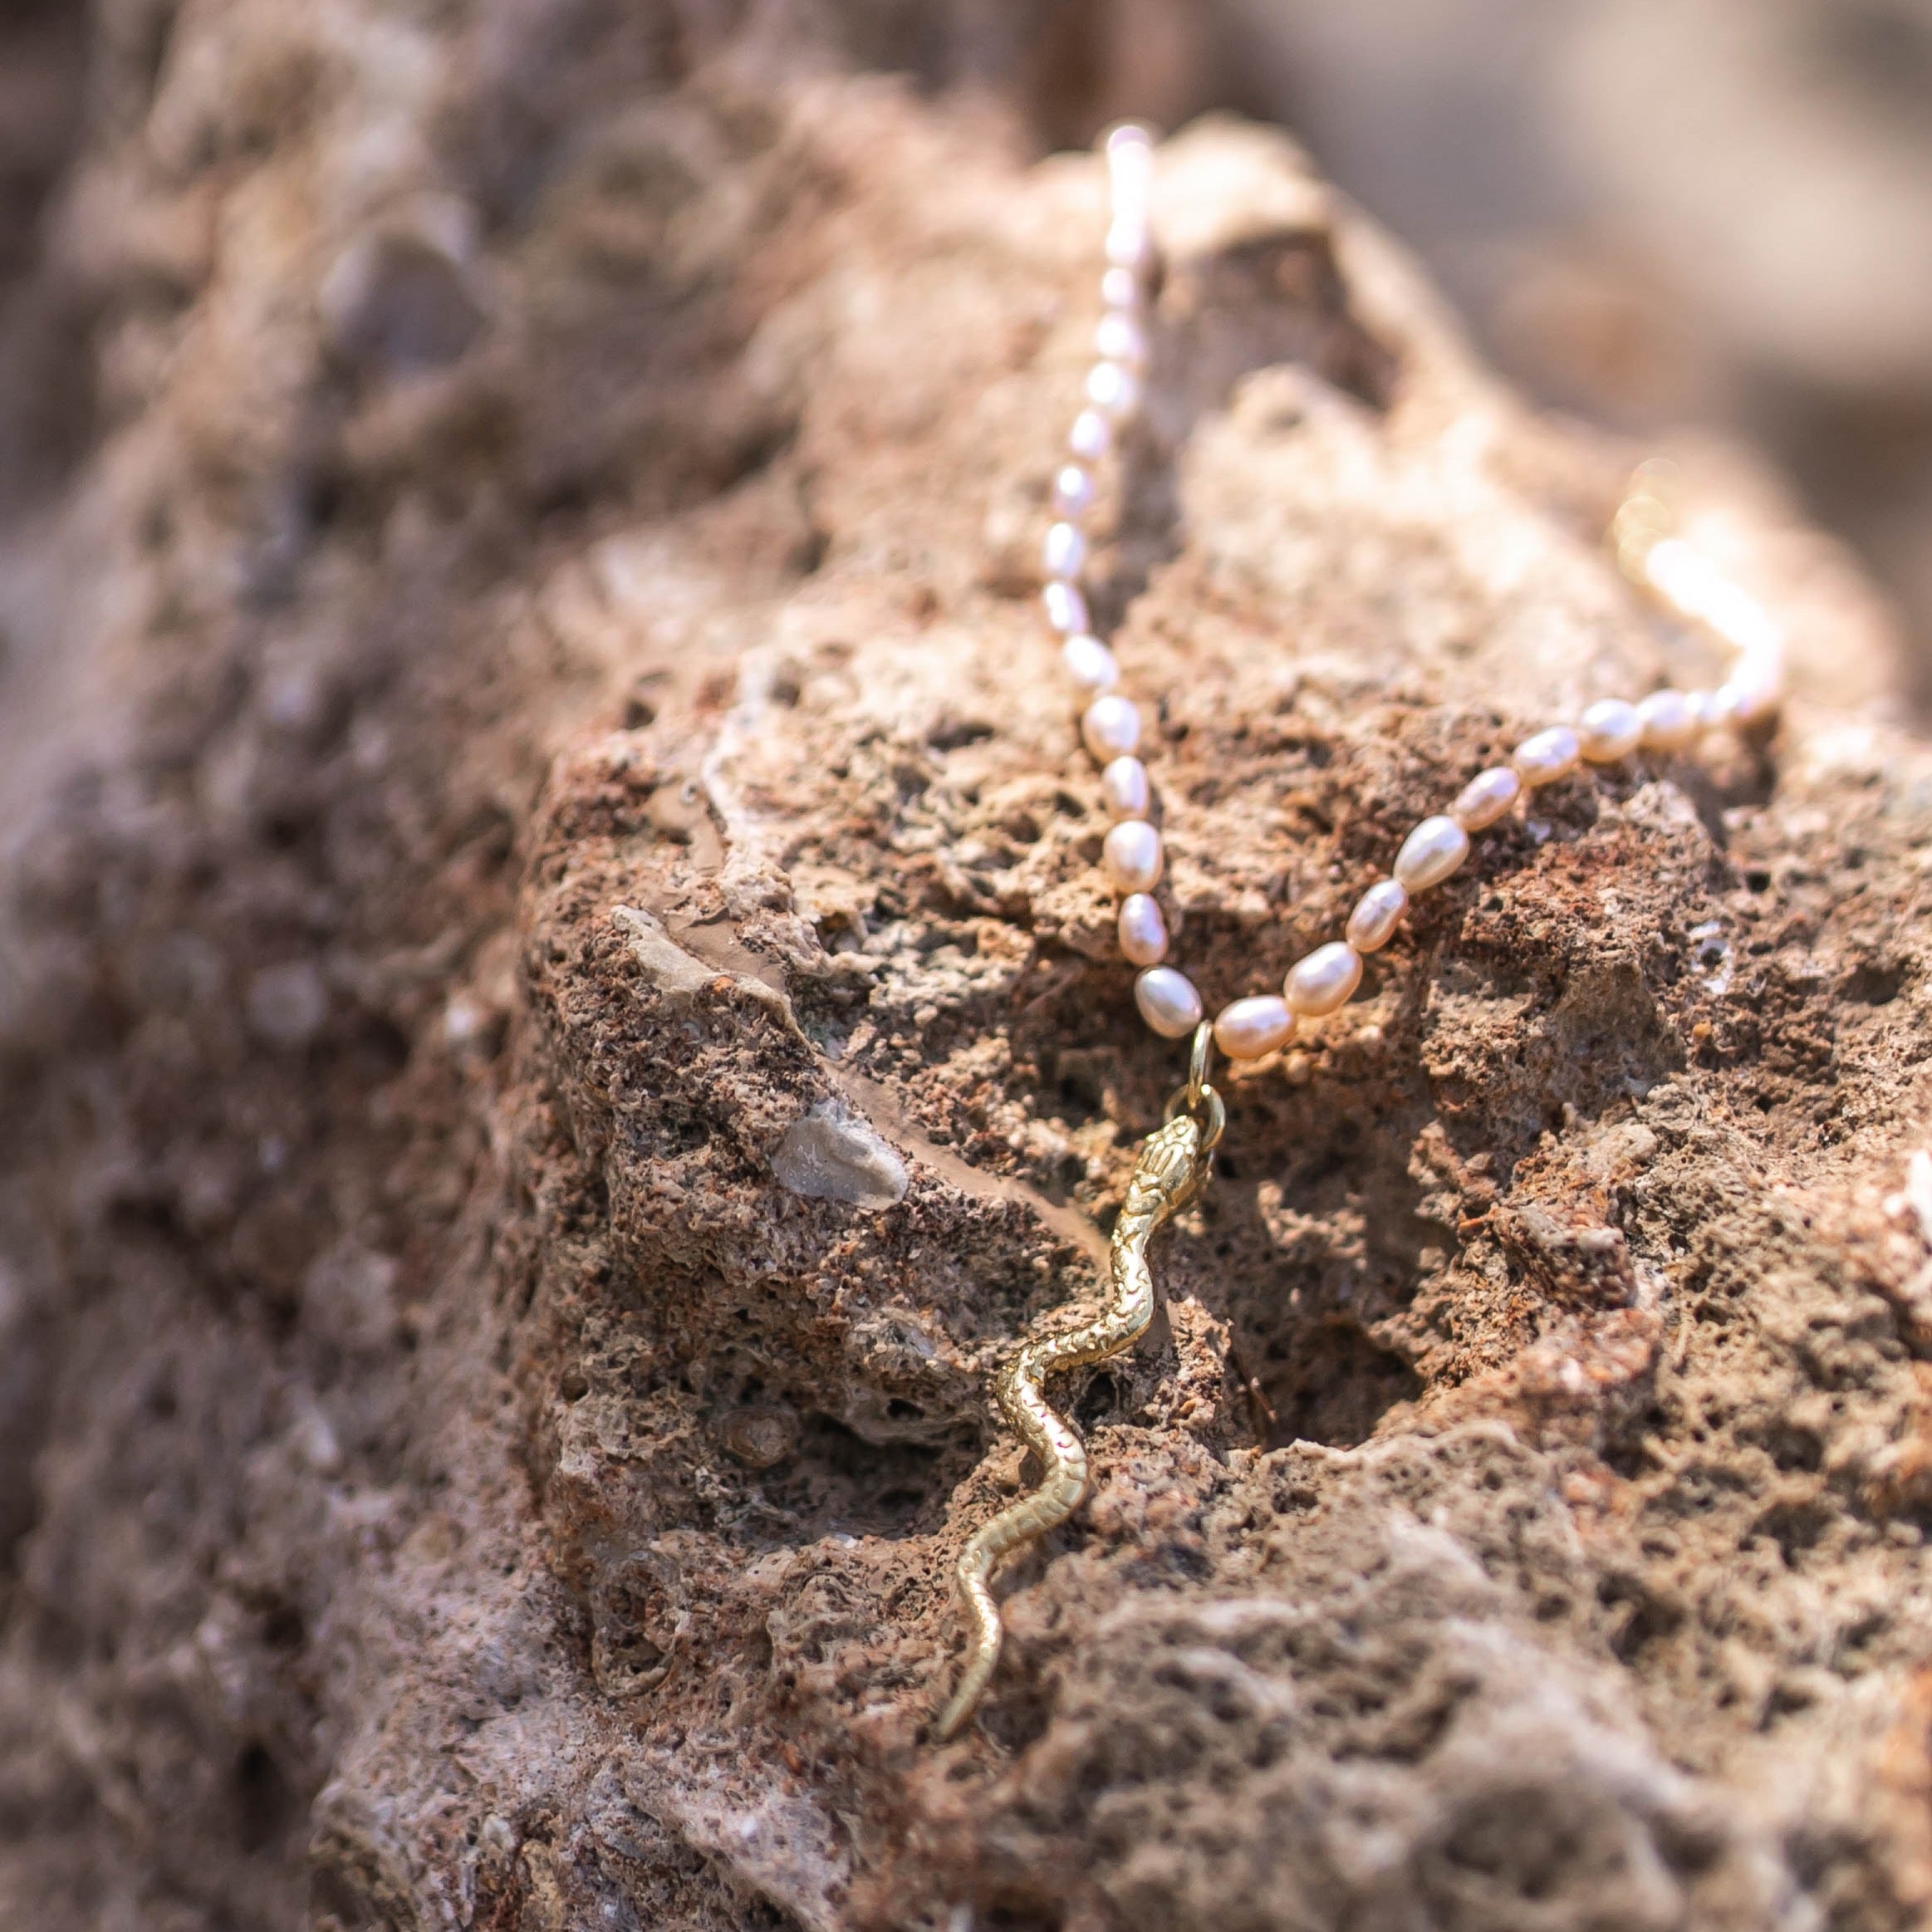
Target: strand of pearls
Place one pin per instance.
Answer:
(1132, 854)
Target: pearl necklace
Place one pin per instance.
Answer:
(1172, 1163)
(1110, 725)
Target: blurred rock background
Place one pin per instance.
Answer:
(42, 51)
(1711, 214)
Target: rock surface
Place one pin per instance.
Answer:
(557, 1019)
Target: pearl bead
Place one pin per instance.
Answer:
(1128, 244)
(1703, 708)
(1143, 930)
(1066, 609)
(1064, 552)
(1091, 436)
(1609, 730)
(1111, 726)
(1547, 756)
(1131, 854)
(1074, 490)
(1430, 853)
(1753, 692)
(1377, 913)
(1486, 797)
(1120, 338)
(1130, 171)
(1668, 719)
(1700, 589)
(1251, 1027)
(1168, 1001)
(1089, 664)
(1125, 789)
(1129, 153)
(1120, 288)
(1324, 980)
(1113, 388)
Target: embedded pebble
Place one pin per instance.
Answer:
(833, 1155)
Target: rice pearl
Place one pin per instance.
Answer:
(1074, 490)
(1110, 727)
(1089, 664)
(1668, 721)
(1125, 790)
(1753, 691)
(1120, 338)
(1610, 729)
(1131, 183)
(1130, 151)
(1324, 980)
(1113, 388)
(1143, 930)
(1131, 172)
(1128, 244)
(1703, 708)
(1131, 177)
(1120, 288)
(1168, 1001)
(1091, 436)
(1066, 609)
(1547, 756)
(1251, 1027)
(1430, 853)
(1698, 589)
(1377, 913)
(1486, 797)
(1131, 854)
(1064, 552)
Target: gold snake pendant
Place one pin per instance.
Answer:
(1170, 1171)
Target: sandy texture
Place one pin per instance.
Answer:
(557, 1019)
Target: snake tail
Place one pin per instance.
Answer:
(1168, 1175)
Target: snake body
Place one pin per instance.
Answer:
(1169, 1173)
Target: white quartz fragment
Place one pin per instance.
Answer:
(833, 1155)
(666, 964)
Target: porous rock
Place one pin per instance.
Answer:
(558, 1021)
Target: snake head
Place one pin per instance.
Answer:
(1194, 1185)
(1173, 1164)
(1200, 1171)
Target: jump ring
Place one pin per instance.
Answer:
(1200, 1056)
(1209, 1106)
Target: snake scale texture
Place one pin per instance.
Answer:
(1168, 1175)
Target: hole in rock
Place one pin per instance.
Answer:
(264, 1804)
(1795, 1528)
(1019, 1918)
(1526, 1842)
(283, 1626)
(1642, 1617)
(952, 733)
(1876, 982)
(1333, 1387)
(1319, 1236)
(1101, 1399)
(836, 1483)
